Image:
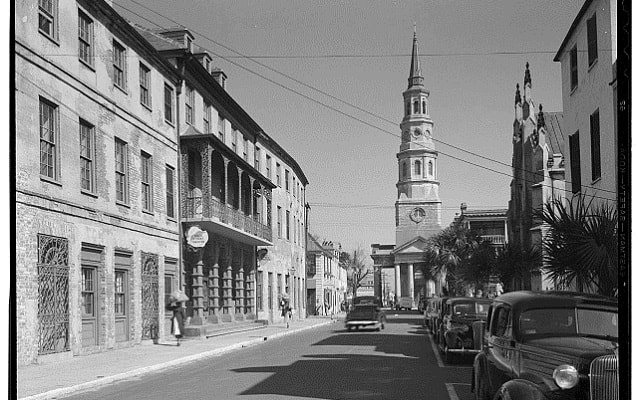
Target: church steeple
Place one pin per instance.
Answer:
(416, 77)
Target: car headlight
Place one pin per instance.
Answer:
(565, 376)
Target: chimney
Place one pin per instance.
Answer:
(463, 207)
(219, 76)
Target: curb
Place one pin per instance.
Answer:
(52, 394)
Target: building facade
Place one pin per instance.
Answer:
(538, 170)
(327, 280)
(97, 230)
(418, 206)
(241, 192)
(587, 56)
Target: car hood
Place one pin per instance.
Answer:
(575, 346)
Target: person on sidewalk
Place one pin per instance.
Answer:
(177, 325)
(284, 304)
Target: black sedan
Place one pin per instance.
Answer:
(461, 317)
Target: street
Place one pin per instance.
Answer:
(398, 362)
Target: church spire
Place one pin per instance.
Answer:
(416, 77)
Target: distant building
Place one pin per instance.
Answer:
(587, 56)
(538, 169)
(418, 206)
(239, 188)
(327, 282)
(97, 223)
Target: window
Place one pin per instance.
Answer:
(120, 292)
(257, 155)
(190, 102)
(594, 129)
(287, 181)
(417, 167)
(260, 290)
(121, 171)
(425, 111)
(47, 18)
(416, 107)
(245, 149)
(49, 127)
(87, 154)
(287, 225)
(208, 114)
(430, 168)
(119, 65)
(168, 104)
(221, 127)
(145, 85)
(88, 292)
(407, 108)
(294, 184)
(500, 321)
(170, 191)
(574, 161)
(234, 140)
(147, 182)
(573, 67)
(279, 222)
(85, 36)
(405, 169)
(268, 166)
(592, 41)
(278, 174)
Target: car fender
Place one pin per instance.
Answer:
(450, 338)
(480, 361)
(519, 389)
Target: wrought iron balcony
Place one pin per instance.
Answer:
(217, 211)
(494, 239)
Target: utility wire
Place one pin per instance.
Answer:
(337, 110)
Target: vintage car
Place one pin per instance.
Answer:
(460, 317)
(365, 313)
(548, 345)
(437, 304)
(405, 303)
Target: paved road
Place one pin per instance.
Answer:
(325, 363)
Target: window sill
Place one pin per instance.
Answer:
(148, 212)
(172, 219)
(123, 204)
(50, 180)
(148, 107)
(574, 89)
(89, 193)
(51, 38)
(123, 90)
(171, 123)
(87, 64)
(596, 181)
(592, 65)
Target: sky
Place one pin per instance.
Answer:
(472, 53)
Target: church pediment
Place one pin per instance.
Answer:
(416, 245)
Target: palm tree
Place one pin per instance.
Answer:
(515, 265)
(581, 246)
(478, 264)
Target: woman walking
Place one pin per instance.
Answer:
(178, 305)
(284, 304)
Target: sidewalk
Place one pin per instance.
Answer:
(50, 380)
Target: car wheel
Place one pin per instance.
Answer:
(349, 329)
(448, 355)
(480, 386)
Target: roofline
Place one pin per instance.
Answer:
(127, 30)
(579, 16)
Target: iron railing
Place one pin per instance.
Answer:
(494, 239)
(195, 209)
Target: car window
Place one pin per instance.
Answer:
(500, 321)
(568, 322)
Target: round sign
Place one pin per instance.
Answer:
(196, 237)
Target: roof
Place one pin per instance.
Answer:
(452, 300)
(315, 247)
(551, 299)
(579, 16)
(554, 131)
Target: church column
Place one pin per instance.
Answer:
(397, 280)
(411, 281)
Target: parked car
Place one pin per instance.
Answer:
(423, 303)
(548, 345)
(365, 312)
(435, 313)
(461, 317)
(405, 303)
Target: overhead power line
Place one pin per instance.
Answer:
(340, 111)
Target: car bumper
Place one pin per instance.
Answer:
(463, 351)
(362, 323)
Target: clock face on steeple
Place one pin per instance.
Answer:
(416, 133)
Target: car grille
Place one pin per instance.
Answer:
(603, 378)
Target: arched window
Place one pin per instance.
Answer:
(417, 167)
(416, 106)
(430, 168)
(405, 169)
(425, 110)
(407, 108)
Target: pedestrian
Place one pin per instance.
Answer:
(177, 305)
(284, 304)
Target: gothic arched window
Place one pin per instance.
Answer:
(405, 169)
(430, 168)
(417, 167)
(416, 106)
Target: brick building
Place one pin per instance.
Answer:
(97, 234)
(240, 190)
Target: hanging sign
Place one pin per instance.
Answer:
(196, 237)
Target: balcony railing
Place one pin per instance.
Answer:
(217, 210)
(494, 239)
